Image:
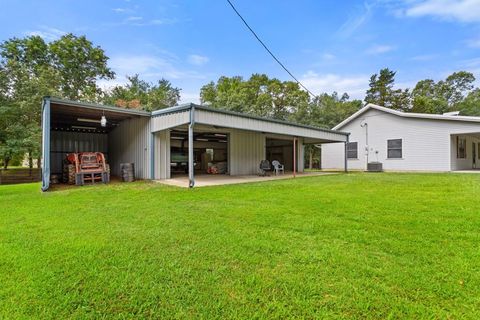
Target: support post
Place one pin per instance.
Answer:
(346, 155)
(152, 156)
(46, 144)
(294, 157)
(191, 167)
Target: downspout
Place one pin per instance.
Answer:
(367, 151)
(346, 155)
(191, 168)
(46, 144)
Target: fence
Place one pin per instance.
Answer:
(14, 175)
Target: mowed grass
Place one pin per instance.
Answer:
(340, 246)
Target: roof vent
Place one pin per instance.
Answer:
(453, 113)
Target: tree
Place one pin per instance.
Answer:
(79, 65)
(325, 111)
(446, 95)
(31, 68)
(470, 106)
(259, 95)
(381, 91)
(139, 94)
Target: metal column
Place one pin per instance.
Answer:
(46, 144)
(191, 167)
(294, 157)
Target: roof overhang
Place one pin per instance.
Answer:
(180, 115)
(66, 115)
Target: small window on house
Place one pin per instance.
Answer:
(478, 150)
(352, 150)
(394, 149)
(461, 148)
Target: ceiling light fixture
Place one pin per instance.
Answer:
(103, 120)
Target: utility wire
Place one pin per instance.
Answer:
(268, 50)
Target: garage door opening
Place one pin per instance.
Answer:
(280, 150)
(210, 152)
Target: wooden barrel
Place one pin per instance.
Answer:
(127, 172)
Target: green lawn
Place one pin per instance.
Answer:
(338, 246)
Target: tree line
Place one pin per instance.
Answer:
(72, 66)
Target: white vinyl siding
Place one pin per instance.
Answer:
(427, 144)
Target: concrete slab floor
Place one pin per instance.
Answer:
(204, 180)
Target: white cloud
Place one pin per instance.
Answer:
(354, 85)
(379, 49)
(151, 68)
(186, 97)
(197, 60)
(328, 56)
(47, 33)
(424, 57)
(134, 18)
(120, 10)
(473, 43)
(454, 10)
(471, 63)
(354, 22)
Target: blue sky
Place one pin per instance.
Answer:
(329, 45)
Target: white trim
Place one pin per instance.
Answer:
(405, 115)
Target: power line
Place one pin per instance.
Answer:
(268, 50)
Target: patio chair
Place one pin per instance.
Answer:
(277, 167)
(265, 167)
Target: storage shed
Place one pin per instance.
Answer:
(188, 139)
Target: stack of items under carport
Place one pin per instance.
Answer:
(217, 168)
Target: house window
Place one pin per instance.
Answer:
(352, 150)
(478, 150)
(461, 148)
(394, 149)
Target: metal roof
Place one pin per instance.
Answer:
(406, 115)
(180, 108)
(188, 106)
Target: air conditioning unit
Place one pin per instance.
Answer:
(374, 167)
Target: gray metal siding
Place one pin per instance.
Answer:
(247, 149)
(232, 121)
(170, 120)
(63, 142)
(130, 142)
(162, 154)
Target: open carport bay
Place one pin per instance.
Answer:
(75, 127)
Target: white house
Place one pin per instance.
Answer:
(406, 141)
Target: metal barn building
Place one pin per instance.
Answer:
(181, 140)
